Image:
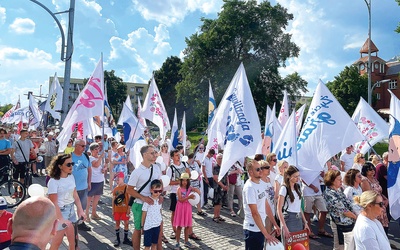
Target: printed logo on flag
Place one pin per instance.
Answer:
(88, 102)
(155, 107)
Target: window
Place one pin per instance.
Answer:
(139, 90)
(393, 84)
(378, 84)
(378, 96)
(382, 68)
(133, 89)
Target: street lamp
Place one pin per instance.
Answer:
(66, 56)
(373, 86)
(368, 3)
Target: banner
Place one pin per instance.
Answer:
(236, 122)
(285, 148)
(54, 99)
(284, 111)
(7, 115)
(154, 109)
(393, 174)
(20, 115)
(298, 241)
(370, 124)
(326, 131)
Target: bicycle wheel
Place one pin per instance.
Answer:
(13, 191)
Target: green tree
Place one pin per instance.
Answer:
(398, 26)
(116, 92)
(348, 87)
(5, 108)
(243, 32)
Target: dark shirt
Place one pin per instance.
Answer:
(381, 172)
(22, 246)
(216, 171)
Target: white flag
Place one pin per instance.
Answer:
(18, 115)
(182, 133)
(284, 111)
(211, 103)
(236, 122)
(154, 109)
(133, 130)
(326, 131)
(370, 124)
(6, 116)
(54, 99)
(90, 103)
(128, 104)
(174, 132)
(393, 173)
(299, 118)
(35, 113)
(286, 147)
(141, 119)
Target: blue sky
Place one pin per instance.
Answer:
(136, 36)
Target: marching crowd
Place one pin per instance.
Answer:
(272, 199)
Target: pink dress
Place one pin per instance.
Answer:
(183, 211)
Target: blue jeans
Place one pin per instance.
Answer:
(83, 195)
(253, 240)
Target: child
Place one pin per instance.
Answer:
(5, 237)
(183, 211)
(151, 217)
(121, 209)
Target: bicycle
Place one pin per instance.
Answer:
(12, 191)
(28, 175)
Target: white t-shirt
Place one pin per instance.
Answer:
(369, 234)
(307, 191)
(272, 175)
(253, 193)
(279, 179)
(350, 192)
(177, 174)
(64, 188)
(97, 175)
(200, 156)
(140, 176)
(269, 190)
(153, 216)
(293, 207)
(208, 163)
(348, 160)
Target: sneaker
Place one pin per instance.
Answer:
(116, 243)
(177, 247)
(189, 245)
(127, 241)
(314, 218)
(172, 236)
(84, 227)
(35, 175)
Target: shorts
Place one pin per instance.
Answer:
(96, 189)
(220, 196)
(20, 170)
(172, 207)
(317, 200)
(253, 240)
(151, 236)
(137, 215)
(120, 216)
(68, 213)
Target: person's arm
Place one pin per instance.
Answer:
(342, 165)
(272, 217)
(144, 214)
(365, 186)
(203, 169)
(277, 186)
(183, 199)
(306, 226)
(279, 206)
(223, 187)
(135, 194)
(89, 178)
(257, 219)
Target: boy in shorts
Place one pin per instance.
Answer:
(121, 209)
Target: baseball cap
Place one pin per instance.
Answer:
(119, 175)
(3, 203)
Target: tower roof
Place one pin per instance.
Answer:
(364, 48)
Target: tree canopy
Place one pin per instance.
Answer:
(348, 86)
(243, 32)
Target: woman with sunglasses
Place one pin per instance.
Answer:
(368, 231)
(62, 192)
(291, 215)
(359, 161)
(369, 182)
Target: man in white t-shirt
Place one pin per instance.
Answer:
(174, 172)
(347, 159)
(144, 174)
(255, 210)
(208, 181)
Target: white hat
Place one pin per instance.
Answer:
(3, 203)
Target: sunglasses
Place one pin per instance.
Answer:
(275, 160)
(156, 191)
(265, 168)
(201, 148)
(81, 145)
(379, 203)
(257, 169)
(70, 164)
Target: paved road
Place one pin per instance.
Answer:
(226, 235)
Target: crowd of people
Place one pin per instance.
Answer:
(272, 198)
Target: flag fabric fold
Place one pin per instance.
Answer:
(174, 132)
(141, 119)
(35, 116)
(286, 147)
(211, 103)
(299, 118)
(326, 131)
(133, 130)
(154, 109)
(54, 99)
(284, 111)
(236, 122)
(370, 124)
(393, 174)
(182, 133)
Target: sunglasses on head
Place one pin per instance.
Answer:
(156, 191)
(379, 203)
(70, 164)
(265, 168)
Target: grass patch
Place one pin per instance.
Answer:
(381, 147)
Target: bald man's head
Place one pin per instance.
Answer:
(35, 217)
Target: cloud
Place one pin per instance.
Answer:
(174, 11)
(2, 15)
(23, 26)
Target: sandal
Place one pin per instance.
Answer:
(233, 214)
(201, 213)
(221, 219)
(216, 219)
(325, 234)
(194, 237)
(164, 239)
(314, 237)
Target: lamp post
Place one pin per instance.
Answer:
(66, 55)
(373, 87)
(368, 3)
